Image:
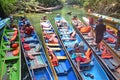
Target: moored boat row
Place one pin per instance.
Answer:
(110, 38)
(82, 56)
(36, 60)
(59, 59)
(66, 56)
(105, 54)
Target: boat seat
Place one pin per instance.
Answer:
(61, 57)
(49, 32)
(88, 38)
(50, 44)
(62, 69)
(10, 33)
(114, 62)
(109, 64)
(56, 49)
(63, 30)
(65, 33)
(37, 62)
(91, 63)
(38, 66)
(84, 33)
(62, 27)
(69, 39)
(47, 28)
(33, 52)
(9, 54)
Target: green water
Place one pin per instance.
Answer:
(35, 17)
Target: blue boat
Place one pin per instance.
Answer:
(58, 58)
(90, 68)
(34, 54)
(112, 61)
(3, 22)
(2, 25)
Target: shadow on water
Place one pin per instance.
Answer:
(24, 70)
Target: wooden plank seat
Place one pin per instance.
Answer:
(61, 57)
(37, 62)
(84, 33)
(92, 44)
(56, 49)
(33, 52)
(88, 38)
(38, 66)
(63, 30)
(62, 27)
(69, 39)
(114, 62)
(49, 32)
(109, 64)
(50, 44)
(66, 33)
(10, 33)
(47, 28)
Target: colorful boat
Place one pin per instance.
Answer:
(34, 54)
(110, 37)
(111, 19)
(105, 54)
(81, 54)
(10, 54)
(59, 60)
(2, 25)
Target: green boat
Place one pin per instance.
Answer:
(10, 54)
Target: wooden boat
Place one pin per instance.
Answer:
(110, 19)
(10, 54)
(2, 25)
(34, 54)
(75, 45)
(110, 37)
(105, 54)
(63, 69)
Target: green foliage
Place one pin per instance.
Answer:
(86, 4)
(8, 6)
(49, 3)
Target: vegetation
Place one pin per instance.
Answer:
(107, 7)
(7, 7)
(12, 6)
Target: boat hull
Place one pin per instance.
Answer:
(93, 67)
(10, 63)
(34, 54)
(107, 61)
(64, 70)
